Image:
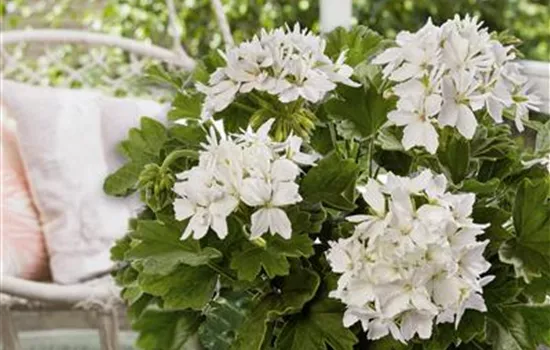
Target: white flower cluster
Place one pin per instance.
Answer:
(248, 168)
(447, 73)
(413, 259)
(283, 62)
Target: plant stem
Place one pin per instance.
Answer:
(244, 107)
(176, 155)
(333, 135)
(227, 275)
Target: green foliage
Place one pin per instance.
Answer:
(142, 147)
(271, 293)
(296, 290)
(169, 330)
(332, 182)
(316, 328)
(519, 327)
(251, 258)
(529, 250)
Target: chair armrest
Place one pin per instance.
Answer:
(101, 291)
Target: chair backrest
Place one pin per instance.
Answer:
(83, 59)
(80, 59)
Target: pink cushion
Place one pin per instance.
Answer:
(23, 248)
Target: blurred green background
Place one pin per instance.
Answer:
(529, 20)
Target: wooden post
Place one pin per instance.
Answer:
(10, 339)
(335, 13)
(108, 329)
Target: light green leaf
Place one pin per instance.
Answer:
(185, 287)
(154, 134)
(321, 326)
(273, 257)
(329, 182)
(122, 181)
(360, 42)
(529, 251)
(186, 105)
(296, 290)
(518, 327)
(166, 330)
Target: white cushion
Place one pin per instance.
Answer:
(68, 143)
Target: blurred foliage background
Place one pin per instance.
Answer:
(529, 20)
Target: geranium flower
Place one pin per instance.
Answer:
(423, 266)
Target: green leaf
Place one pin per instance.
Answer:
(442, 337)
(538, 289)
(496, 233)
(518, 327)
(185, 287)
(366, 109)
(454, 155)
(296, 290)
(529, 251)
(224, 315)
(329, 182)
(475, 186)
(321, 326)
(154, 134)
(248, 262)
(360, 43)
(190, 135)
(167, 330)
(122, 181)
(160, 249)
(186, 105)
(141, 148)
(472, 324)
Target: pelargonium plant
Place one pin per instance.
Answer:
(342, 192)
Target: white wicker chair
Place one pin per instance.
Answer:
(99, 296)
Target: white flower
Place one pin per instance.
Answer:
(288, 63)
(276, 190)
(460, 99)
(523, 101)
(416, 115)
(423, 264)
(457, 63)
(247, 168)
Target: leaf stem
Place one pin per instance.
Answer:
(333, 135)
(176, 155)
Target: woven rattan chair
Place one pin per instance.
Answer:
(99, 297)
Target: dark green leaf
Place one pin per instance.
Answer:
(518, 327)
(454, 155)
(330, 181)
(296, 290)
(185, 287)
(249, 261)
(472, 324)
(529, 252)
(166, 330)
(319, 327)
(224, 315)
